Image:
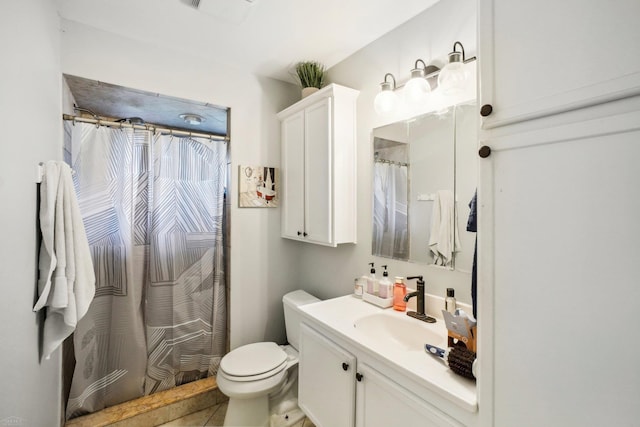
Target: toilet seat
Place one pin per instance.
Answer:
(254, 362)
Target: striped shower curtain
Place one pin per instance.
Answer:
(153, 210)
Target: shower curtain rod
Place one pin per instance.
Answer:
(391, 162)
(151, 127)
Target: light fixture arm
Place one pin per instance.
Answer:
(385, 84)
(461, 49)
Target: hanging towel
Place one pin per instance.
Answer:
(472, 225)
(444, 240)
(66, 283)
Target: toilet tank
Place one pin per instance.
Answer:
(292, 303)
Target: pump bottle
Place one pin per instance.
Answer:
(372, 283)
(385, 287)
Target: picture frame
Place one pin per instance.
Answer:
(258, 186)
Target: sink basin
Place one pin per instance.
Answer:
(397, 329)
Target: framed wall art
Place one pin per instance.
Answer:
(258, 187)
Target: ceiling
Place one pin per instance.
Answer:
(118, 102)
(264, 37)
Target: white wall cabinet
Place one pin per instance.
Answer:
(319, 167)
(539, 58)
(557, 192)
(335, 390)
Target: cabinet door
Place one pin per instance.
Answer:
(318, 173)
(570, 193)
(383, 403)
(292, 188)
(326, 381)
(543, 57)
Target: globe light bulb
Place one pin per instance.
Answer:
(453, 76)
(416, 90)
(386, 102)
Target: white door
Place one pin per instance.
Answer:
(383, 403)
(326, 381)
(318, 173)
(292, 187)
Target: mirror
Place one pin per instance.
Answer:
(424, 176)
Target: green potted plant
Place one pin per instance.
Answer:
(311, 76)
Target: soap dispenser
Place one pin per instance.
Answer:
(372, 283)
(385, 287)
(399, 291)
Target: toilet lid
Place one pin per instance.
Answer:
(253, 359)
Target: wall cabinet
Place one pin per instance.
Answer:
(336, 390)
(564, 128)
(537, 58)
(318, 192)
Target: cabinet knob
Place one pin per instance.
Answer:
(486, 110)
(299, 233)
(304, 234)
(358, 376)
(485, 151)
(345, 366)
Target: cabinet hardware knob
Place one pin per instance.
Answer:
(359, 376)
(345, 366)
(304, 234)
(485, 151)
(299, 233)
(486, 110)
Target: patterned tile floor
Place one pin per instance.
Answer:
(214, 416)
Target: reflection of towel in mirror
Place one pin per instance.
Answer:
(444, 239)
(67, 283)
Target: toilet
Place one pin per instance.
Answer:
(255, 375)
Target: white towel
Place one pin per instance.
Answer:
(66, 285)
(444, 240)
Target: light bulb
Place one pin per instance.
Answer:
(452, 78)
(416, 91)
(386, 102)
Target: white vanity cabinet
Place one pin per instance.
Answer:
(318, 192)
(327, 380)
(336, 389)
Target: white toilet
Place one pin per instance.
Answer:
(252, 374)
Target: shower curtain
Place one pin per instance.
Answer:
(153, 209)
(390, 221)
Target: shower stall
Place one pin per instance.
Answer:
(153, 205)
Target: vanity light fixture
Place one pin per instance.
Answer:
(453, 76)
(386, 101)
(192, 119)
(418, 88)
(449, 81)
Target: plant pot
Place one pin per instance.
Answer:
(306, 91)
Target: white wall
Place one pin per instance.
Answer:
(30, 107)
(262, 264)
(329, 272)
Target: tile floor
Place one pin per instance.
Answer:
(214, 416)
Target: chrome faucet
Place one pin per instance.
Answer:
(419, 293)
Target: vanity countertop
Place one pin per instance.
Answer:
(339, 315)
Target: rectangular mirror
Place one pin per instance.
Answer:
(424, 176)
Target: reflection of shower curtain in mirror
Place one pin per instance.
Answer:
(390, 238)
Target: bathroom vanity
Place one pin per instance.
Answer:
(361, 365)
